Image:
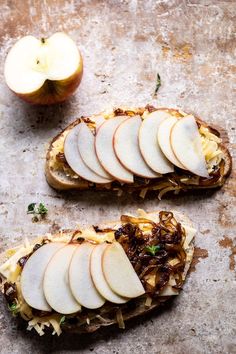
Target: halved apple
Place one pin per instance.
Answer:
(44, 71)
(186, 144)
(81, 282)
(56, 282)
(163, 137)
(105, 150)
(98, 276)
(75, 161)
(119, 273)
(86, 146)
(126, 146)
(149, 145)
(33, 273)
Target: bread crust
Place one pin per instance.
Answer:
(58, 182)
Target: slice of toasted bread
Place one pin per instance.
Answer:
(109, 313)
(61, 177)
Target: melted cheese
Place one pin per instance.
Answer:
(211, 149)
(10, 269)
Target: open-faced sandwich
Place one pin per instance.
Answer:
(144, 149)
(82, 280)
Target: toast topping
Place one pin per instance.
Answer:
(142, 259)
(207, 158)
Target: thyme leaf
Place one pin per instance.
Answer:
(37, 211)
(158, 85)
(153, 249)
(62, 320)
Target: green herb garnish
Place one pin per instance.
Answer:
(41, 210)
(31, 208)
(13, 308)
(62, 320)
(153, 249)
(158, 85)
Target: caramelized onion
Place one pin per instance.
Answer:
(133, 220)
(168, 235)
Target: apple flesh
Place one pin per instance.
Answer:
(127, 149)
(99, 120)
(75, 160)
(81, 282)
(86, 146)
(56, 282)
(163, 137)
(45, 71)
(105, 150)
(119, 272)
(98, 276)
(149, 145)
(186, 144)
(33, 273)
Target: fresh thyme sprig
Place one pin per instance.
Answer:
(38, 212)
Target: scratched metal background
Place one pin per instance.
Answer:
(192, 44)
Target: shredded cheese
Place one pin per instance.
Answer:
(143, 192)
(119, 318)
(148, 302)
(39, 324)
(211, 149)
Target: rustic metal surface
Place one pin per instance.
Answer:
(124, 44)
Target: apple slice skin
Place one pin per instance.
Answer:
(163, 137)
(105, 150)
(149, 145)
(80, 278)
(186, 144)
(86, 146)
(56, 282)
(33, 274)
(119, 272)
(98, 276)
(75, 161)
(49, 90)
(127, 148)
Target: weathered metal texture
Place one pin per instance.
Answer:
(124, 44)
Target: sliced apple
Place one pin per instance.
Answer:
(56, 282)
(75, 161)
(33, 273)
(99, 120)
(186, 144)
(119, 273)
(44, 71)
(86, 146)
(163, 137)
(149, 145)
(81, 282)
(105, 150)
(98, 276)
(127, 149)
